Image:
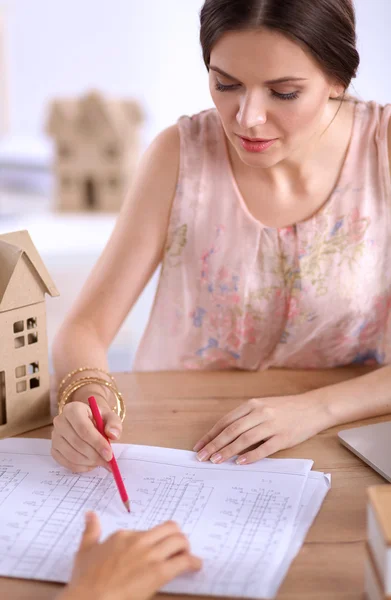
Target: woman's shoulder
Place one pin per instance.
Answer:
(381, 114)
(204, 116)
(376, 111)
(389, 136)
(200, 126)
(375, 119)
(187, 137)
(166, 140)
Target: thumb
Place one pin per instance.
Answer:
(91, 532)
(113, 425)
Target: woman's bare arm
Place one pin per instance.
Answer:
(131, 256)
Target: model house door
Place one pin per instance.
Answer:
(90, 195)
(3, 406)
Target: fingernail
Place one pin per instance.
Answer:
(241, 461)
(107, 455)
(114, 433)
(216, 458)
(202, 455)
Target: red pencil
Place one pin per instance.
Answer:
(114, 466)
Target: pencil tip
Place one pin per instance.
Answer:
(127, 505)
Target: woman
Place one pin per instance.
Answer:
(270, 215)
(128, 564)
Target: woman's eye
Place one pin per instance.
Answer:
(290, 96)
(220, 87)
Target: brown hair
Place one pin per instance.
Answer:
(327, 28)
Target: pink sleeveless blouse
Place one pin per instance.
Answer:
(236, 294)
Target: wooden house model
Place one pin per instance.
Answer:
(97, 150)
(24, 369)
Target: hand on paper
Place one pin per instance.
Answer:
(77, 444)
(128, 564)
(271, 424)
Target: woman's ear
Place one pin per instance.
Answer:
(337, 90)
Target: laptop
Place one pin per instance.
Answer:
(371, 443)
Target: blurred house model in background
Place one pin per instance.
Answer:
(97, 143)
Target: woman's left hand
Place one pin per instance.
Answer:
(271, 423)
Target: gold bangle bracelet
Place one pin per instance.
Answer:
(120, 408)
(80, 370)
(87, 380)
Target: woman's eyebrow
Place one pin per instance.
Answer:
(285, 79)
(213, 68)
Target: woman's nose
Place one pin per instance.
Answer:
(252, 112)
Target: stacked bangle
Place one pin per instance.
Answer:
(80, 370)
(75, 385)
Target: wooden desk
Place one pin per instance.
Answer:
(175, 409)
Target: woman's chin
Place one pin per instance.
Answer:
(258, 160)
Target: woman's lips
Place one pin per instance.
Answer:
(255, 145)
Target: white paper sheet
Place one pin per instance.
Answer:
(246, 523)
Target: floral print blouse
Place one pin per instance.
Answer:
(234, 293)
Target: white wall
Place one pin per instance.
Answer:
(144, 48)
(374, 45)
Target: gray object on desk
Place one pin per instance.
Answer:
(371, 443)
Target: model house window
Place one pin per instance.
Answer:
(64, 151)
(66, 182)
(111, 151)
(33, 368)
(21, 386)
(31, 323)
(32, 338)
(23, 375)
(20, 326)
(19, 341)
(34, 382)
(20, 371)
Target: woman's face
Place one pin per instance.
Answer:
(271, 95)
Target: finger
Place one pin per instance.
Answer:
(254, 436)
(92, 532)
(224, 422)
(179, 564)
(266, 449)
(79, 416)
(160, 532)
(195, 563)
(146, 539)
(237, 413)
(58, 457)
(113, 425)
(169, 546)
(73, 456)
(65, 430)
(228, 435)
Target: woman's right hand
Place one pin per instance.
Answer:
(129, 564)
(76, 443)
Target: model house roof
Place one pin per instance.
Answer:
(20, 267)
(93, 114)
